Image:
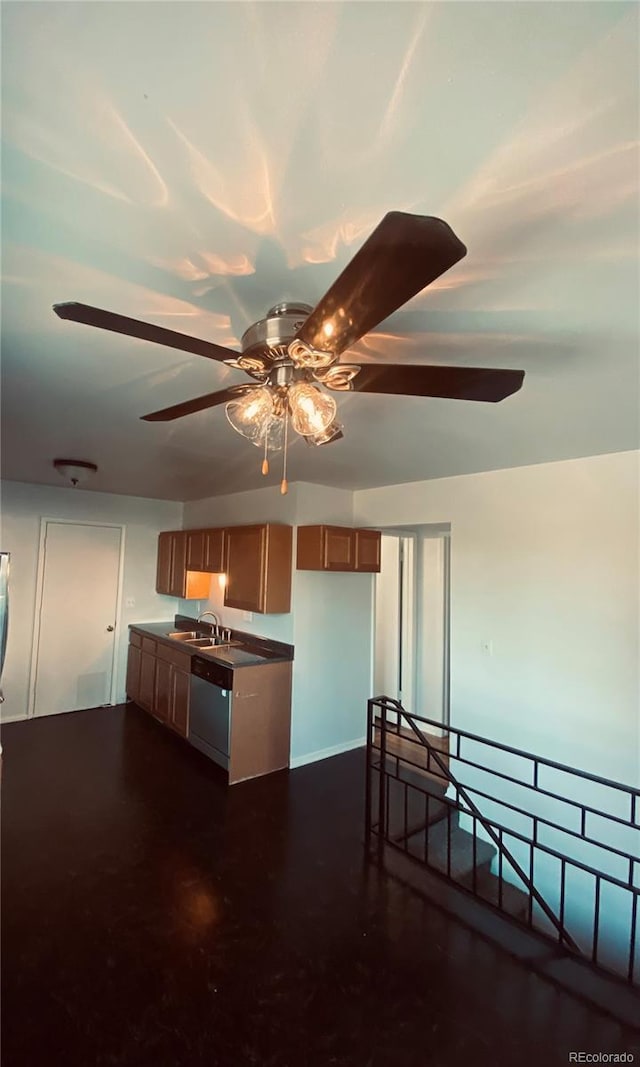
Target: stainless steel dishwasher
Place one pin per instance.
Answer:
(210, 709)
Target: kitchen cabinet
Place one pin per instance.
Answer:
(165, 556)
(173, 685)
(179, 705)
(257, 562)
(159, 680)
(205, 550)
(214, 545)
(338, 548)
(172, 574)
(368, 550)
(195, 549)
(147, 687)
(162, 703)
(132, 686)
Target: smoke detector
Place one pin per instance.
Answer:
(75, 471)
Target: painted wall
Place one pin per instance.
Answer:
(544, 564)
(22, 507)
(333, 612)
(329, 623)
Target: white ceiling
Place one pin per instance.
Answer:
(194, 163)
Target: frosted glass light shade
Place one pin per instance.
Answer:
(311, 409)
(250, 414)
(273, 431)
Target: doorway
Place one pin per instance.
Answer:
(77, 607)
(394, 663)
(411, 616)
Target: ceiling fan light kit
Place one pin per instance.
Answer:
(293, 354)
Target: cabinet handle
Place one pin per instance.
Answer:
(110, 629)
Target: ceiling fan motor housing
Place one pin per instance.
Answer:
(269, 338)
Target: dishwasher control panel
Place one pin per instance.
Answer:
(215, 673)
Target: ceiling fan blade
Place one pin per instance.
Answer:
(201, 403)
(108, 320)
(403, 255)
(457, 383)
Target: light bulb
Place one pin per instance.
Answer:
(311, 409)
(250, 414)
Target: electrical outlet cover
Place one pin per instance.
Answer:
(247, 616)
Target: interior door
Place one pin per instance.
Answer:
(77, 617)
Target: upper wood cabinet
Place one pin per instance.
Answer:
(368, 550)
(214, 551)
(173, 575)
(195, 549)
(338, 548)
(205, 550)
(165, 555)
(256, 560)
(258, 567)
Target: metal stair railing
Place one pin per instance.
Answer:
(495, 830)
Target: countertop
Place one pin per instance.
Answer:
(249, 651)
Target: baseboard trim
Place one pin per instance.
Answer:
(13, 718)
(326, 753)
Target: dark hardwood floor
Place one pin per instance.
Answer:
(151, 916)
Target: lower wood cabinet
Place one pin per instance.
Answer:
(338, 548)
(179, 705)
(159, 680)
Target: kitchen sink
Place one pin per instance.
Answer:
(206, 645)
(190, 637)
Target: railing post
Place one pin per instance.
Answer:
(382, 791)
(367, 794)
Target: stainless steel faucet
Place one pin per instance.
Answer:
(213, 615)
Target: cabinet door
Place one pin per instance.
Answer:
(339, 549)
(196, 550)
(162, 702)
(368, 550)
(146, 692)
(178, 564)
(133, 673)
(163, 572)
(181, 685)
(245, 567)
(214, 551)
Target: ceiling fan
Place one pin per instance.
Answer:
(293, 354)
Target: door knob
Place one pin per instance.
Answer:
(109, 629)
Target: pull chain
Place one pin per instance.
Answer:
(284, 485)
(265, 462)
